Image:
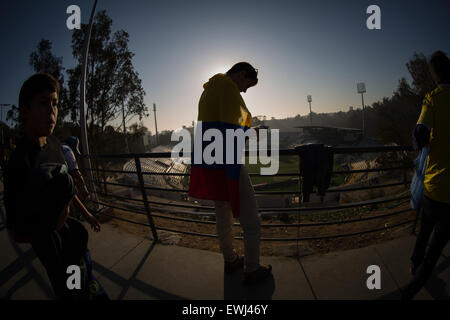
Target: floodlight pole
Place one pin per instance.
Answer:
(84, 139)
(363, 123)
(310, 112)
(361, 87)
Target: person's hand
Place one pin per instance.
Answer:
(95, 225)
(259, 127)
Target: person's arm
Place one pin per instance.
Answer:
(422, 131)
(87, 215)
(63, 217)
(421, 136)
(259, 127)
(79, 183)
(74, 171)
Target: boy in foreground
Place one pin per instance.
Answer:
(39, 191)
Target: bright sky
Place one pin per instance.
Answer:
(321, 48)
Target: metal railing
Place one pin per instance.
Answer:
(153, 208)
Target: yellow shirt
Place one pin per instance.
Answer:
(436, 116)
(222, 102)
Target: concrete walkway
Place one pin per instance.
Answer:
(130, 267)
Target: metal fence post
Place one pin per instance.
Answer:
(405, 180)
(297, 149)
(300, 189)
(144, 198)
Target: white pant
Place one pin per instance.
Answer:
(249, 220)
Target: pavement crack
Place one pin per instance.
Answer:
(387, 267)
(127, 253)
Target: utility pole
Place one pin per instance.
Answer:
(362, 89)
(156, 126)
(310, 112)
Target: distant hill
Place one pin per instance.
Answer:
(349, 119)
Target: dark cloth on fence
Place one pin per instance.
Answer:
(316, 165)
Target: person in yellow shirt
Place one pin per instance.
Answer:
(432, 129)
(222, 107)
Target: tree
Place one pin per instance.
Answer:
(137, 132)
(420, 73)
(112, 82)
(397, 116)
(113, 87)
(164, 138)
(43, 60)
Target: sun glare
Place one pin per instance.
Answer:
(217, 69)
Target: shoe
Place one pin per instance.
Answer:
(258, 275)
(231, 267)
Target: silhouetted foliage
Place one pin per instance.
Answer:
(43, 60)
(164, 138)
(390, 120)
(420, 73)
(396, 117)
(112, 82)
(135, 138)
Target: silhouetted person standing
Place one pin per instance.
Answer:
(221, 107)
(433, 129)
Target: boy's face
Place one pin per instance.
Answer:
(243, 82)
(40, 118)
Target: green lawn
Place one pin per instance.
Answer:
(287, 164)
